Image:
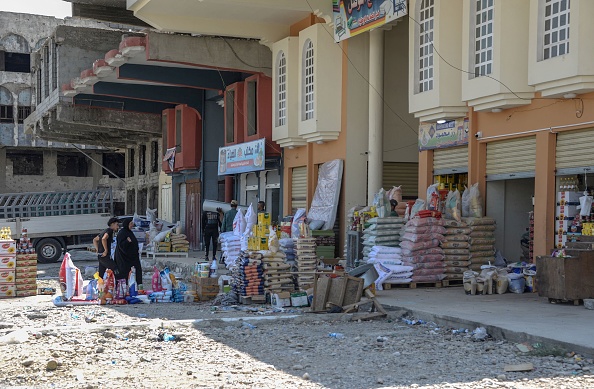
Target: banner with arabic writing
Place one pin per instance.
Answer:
(353, 17)
(448, 134)
(242, 158)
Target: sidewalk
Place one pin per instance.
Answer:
(515, 317)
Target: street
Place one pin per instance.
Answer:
(196, 345)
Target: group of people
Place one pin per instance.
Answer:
(121, 256)
(213, 222)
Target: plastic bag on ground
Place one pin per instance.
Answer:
(476, 206)
(71, 280)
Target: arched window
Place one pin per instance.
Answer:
(483, 37)
(308, 80)
(425, 47)
(281, 91)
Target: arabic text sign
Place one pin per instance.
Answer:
(242, 158)
(448, 134)
(353, 17)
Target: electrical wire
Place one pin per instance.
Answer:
(240, 59)
(364, 78)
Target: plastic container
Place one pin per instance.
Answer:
(336, 335)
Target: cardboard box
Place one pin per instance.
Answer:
(29, 286)
(25, 269)
(26, 281)
(262, 231)
(24, 257)
(7, 276)
(26, 262)
(571, 197)
(27, 274)
(7, 247)
(281, 300)
(264, 218)
(202, 281)
(7, 290)
(299, 299)
(7, 262)
(26, 293)
(567, 210)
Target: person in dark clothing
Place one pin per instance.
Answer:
(393, 204)
(229, 217)
(102, 243)
(211, 222)
(126, 254)
(261, 206)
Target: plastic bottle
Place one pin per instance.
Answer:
(250, 326)
(168, 338)
(213, 268)
(336, 335)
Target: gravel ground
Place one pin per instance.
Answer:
(123, 346)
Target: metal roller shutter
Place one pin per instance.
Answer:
(574, 152)
(450, 161)
(299, 188)
(405, 174)
(182, 206)
(509, 159)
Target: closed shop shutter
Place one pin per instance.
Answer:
(166, 204)
(299, 188)
(450, 161)
(405, 174)
(574, 152)
(182, 206)
(509, 159)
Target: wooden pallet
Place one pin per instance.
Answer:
(447, 283)
(414, 285)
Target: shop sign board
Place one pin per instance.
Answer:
(353, 17)
(442, 135)
(242, 158)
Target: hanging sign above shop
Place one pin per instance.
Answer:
(441, 135)
(353, 17)
(242, 158)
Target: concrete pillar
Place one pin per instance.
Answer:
(228, 189)
(477, 157)
(425, 172)
(50, 164)
(544, 196)
(376, 113)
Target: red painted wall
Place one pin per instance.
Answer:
(170, 136)
(191, 139)
(238, 109)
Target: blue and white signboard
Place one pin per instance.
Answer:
(242, 158)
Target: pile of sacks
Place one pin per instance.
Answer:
(421, 249)
(277, 276)
(456, 248)
(383, 231)
(248, 275)
(179, 243)
(231, 247)
(482, 241)
(388, 264)
(491, 280)
(287, 246)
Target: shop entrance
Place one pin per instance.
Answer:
(510, 202)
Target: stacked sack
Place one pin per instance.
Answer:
(179, 243)
(277, 276)
(306, 261)
(421, 249)
(287, 246)
(381, 232)
(248, 275)
(456, 248)
(231, 247)
(482, 241)
(388, 264)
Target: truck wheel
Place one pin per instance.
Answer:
(48, 250)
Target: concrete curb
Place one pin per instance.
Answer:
(496, 332)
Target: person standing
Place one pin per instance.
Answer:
(229, 217)
(211, 222)
(261, 206)
(102, 243)
(126, 254)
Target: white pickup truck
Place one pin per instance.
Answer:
(56, 220)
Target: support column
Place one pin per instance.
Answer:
(425, 172)
(376, 113)
(477, 158)
(544, 193)
(228, 189)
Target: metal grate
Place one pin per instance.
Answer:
(425, 50)
(483, 38)
(556, 28)
(281, 94)
(308, 81)
(55, 203)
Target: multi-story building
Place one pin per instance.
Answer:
(29, 163)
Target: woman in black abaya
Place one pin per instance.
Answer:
(126, 254)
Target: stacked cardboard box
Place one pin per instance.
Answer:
(26, 275)
(260, 233)
(307, 261)
(7, 268)
(206, 288)
(565, 228)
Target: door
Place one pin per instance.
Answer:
(166, 211)
(193, 215)
(182, 206)
(299, 188)
(405, 174)
(452, 160)
(511, 159)
(251, 189)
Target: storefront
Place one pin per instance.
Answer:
(298, 188)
